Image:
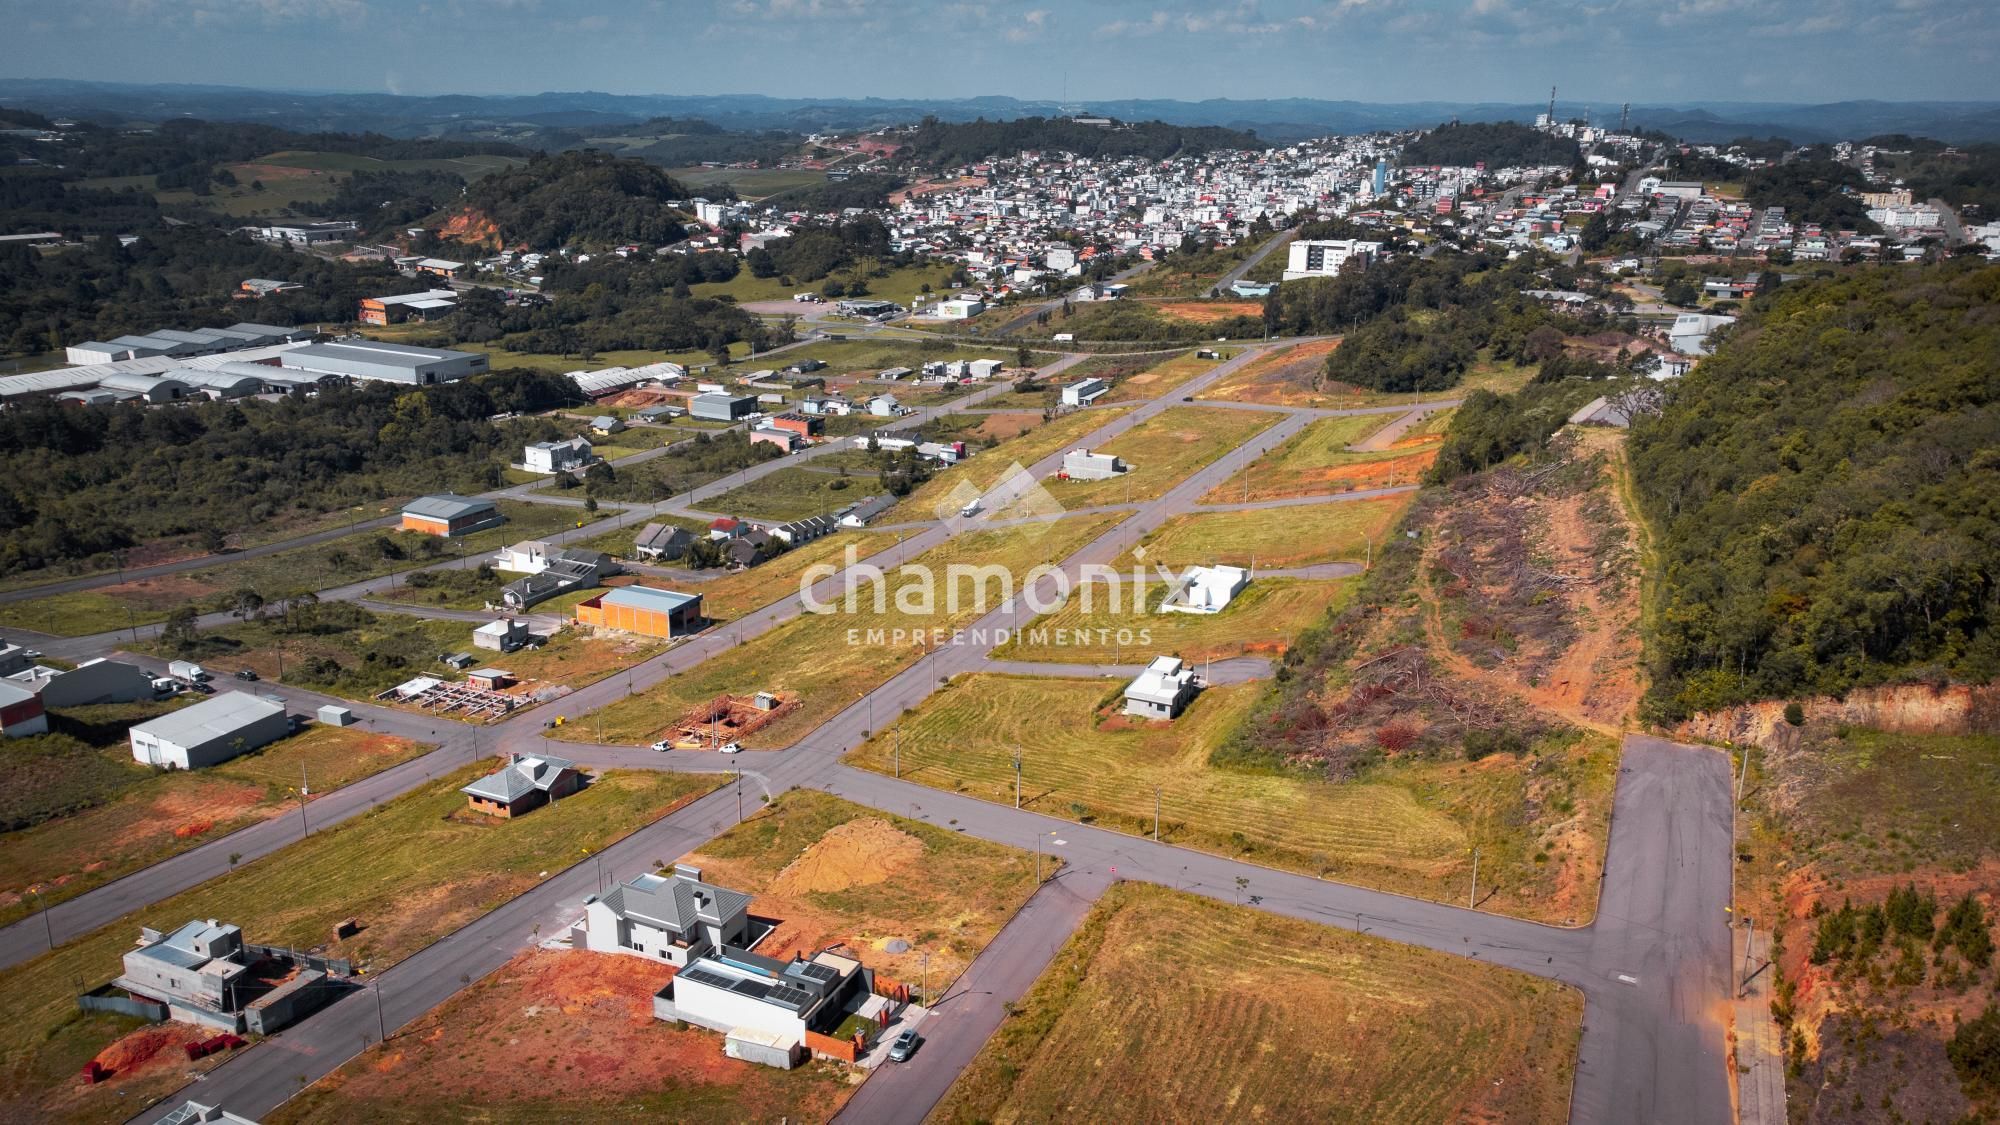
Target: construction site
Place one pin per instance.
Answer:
(727, 718)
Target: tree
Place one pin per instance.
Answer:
(1680, 291)
(1023, 358)
(180, 630)
(1974, 1051)
(244, 603)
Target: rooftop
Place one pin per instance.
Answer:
(216, 717)
(647, 597)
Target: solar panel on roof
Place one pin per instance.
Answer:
(820, 972)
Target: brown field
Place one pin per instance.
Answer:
(1323, 458)
(1284, 377)
(562, 1035)
(1159, 379)
(1276, 538)
(1170, 1007)
(1208, 312)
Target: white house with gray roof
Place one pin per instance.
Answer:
(669, 918)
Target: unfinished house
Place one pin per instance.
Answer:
(204, 973)
(1163, 690)
(773, 1012)
(672, 919)
(1205, 589)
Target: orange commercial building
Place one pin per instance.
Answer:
(448, 514)
(643, 610)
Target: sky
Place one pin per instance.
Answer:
(1644, 51)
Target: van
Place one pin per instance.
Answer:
(971, 509)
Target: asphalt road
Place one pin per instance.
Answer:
(1653, 965)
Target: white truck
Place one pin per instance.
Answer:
(187, 670)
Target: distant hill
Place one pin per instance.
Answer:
(580, 198)
(1497, 144)
(1279, 120)
(939, 142)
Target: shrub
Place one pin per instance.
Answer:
(1795, 714)
(1975, 1051)
(1482, 743)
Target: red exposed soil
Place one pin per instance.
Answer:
(1208, 312)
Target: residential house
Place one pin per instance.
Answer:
(661, 541)
(650, 612)
(215, 730)
(672, 918)
(1205, 589)
(605, 425)
(1083, 392)
(826, 406)
(805, 530)
(557, 456)
(1082, 464)
(787, 1007)
(858, 514)
(204, 973)
(800, 424)
(503, 635)
(1162, 691)
(1690, 332)
(727, 527)
(550, 571)
(885, 406)
(786, 440)
(489, 679)
(751, 548)
(448, 514)
(524, 784)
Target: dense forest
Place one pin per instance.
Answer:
(1498, 144)
(1824, 486)
(815, 250)
(385, 203)
(869, 189)
(1814, 189)
(172, 277)
(938, 143)
(77, 485)
(580, 198)
(1965, 176)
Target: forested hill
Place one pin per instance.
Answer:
(940, 143)
(1497, 144)
(580, 198)
(1828, 489)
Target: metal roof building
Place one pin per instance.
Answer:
(214, 730)
(392, 363)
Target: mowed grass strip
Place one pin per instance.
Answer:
(936, 497)
(794, 493)
(1294, 535)
(411, 871)
(1159, 380)
(827, 659)
(1170, 1007)
(160, 814)
(1317, 460)
(1163, 451)
(1261, 619)
(1075, 766)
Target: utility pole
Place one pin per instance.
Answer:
(927, 978)
(303, 826)
(1749, 952)
(739, 796)
(1156, 814)
(381, 1024)
(1743, 775)
(1472, 897)
(1017, 777)
(49, 928)
(896, 755)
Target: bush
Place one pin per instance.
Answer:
(1975, 1051)
(1483, 743)
(1795, 714)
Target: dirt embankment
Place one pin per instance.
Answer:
(1902, 709)
(472, 227)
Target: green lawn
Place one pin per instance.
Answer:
(1296, 1021)
(1163, 451)
(411, 871)
(1160, 380)
(145, 815)
(1261, 620)
(791, 494)
(337, 562)
(901, 285)
(1405, 825)
(1295, 535)
(937, 498)
(829, 660)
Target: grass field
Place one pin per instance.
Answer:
(411, 871)
(737, 594)
(155, 815)
(350, 558)
(1288, 376)
(1406, 826)
(750, 183)
(795, 493)
(1162, 451)
(827, 659)
(571, 1035)
(1317, 461)
(937, 497)
(1161, 380)
(1261, 620)
(1170, 1007)
(876, 354)
(308, 176)
(1295, 535)
(901, 285)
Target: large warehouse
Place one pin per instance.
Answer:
(643, 610)
(448, 514)
(214, 730)
(392, 363)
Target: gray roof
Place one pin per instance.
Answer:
(371, 351)
(676, 903)
(216, 717)
(447, 506)
(525, 774)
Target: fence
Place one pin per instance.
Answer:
(103, 999)
(333, 967)
(843, 1049)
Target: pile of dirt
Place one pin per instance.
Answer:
(859, 853)
(149, 1047)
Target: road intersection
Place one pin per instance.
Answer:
(1652, 965)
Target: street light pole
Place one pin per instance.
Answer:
(1472, 897)
(381, 1024)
